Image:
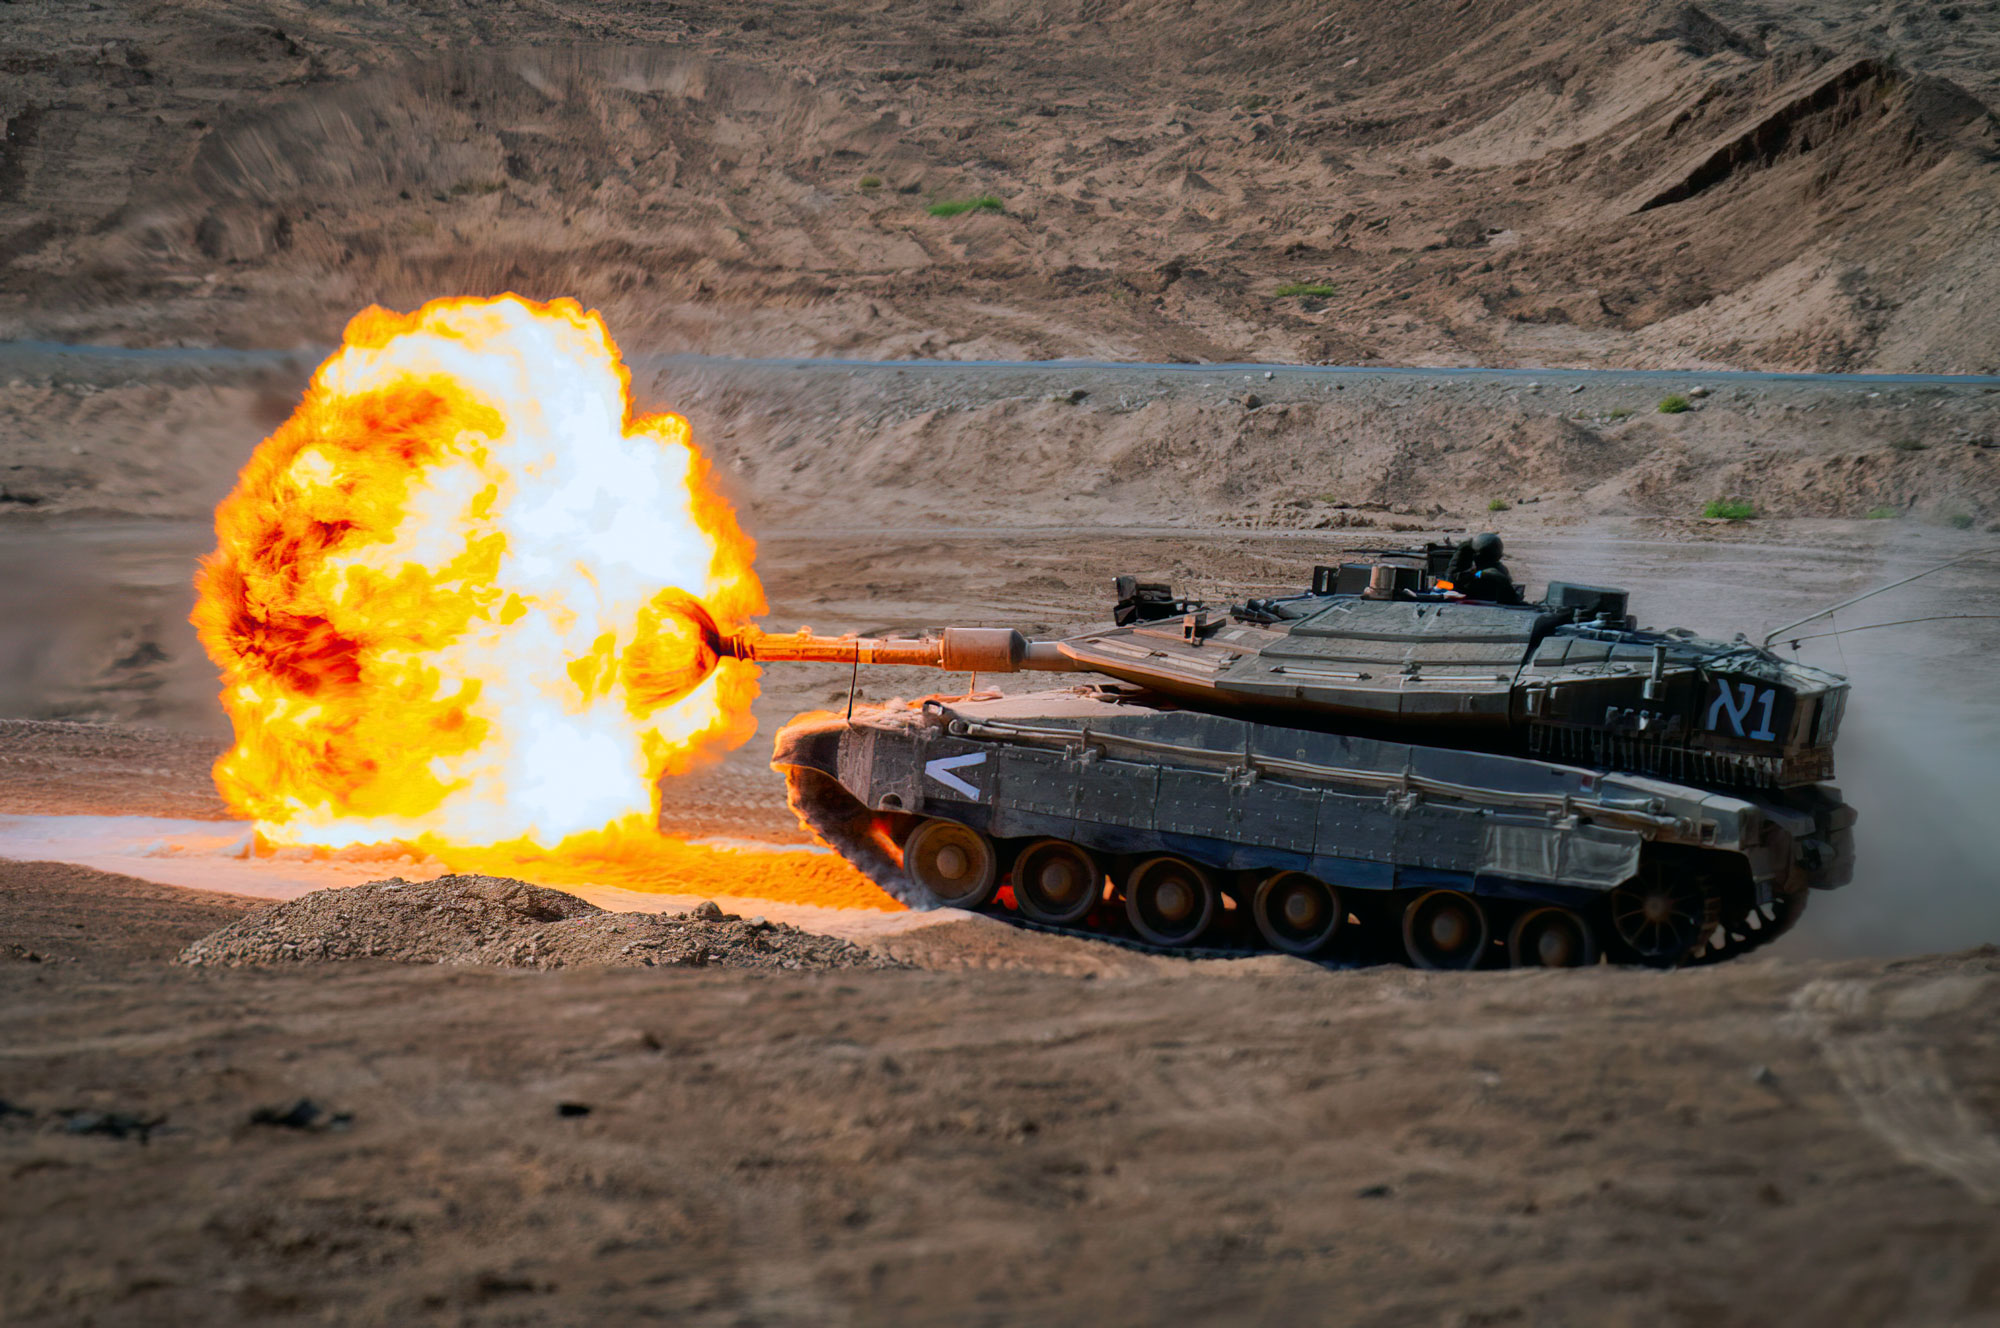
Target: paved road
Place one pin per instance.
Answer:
(305, 357)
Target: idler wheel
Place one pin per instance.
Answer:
(1297, 913)
(956, 863)
(1551, 938)
(1170, 900)
(1661, 918)
(1057, 882)
(1445, 929)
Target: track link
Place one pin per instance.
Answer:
(1758, 927)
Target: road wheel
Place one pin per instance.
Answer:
(954, 862)
(1445, 929)
(1662, 917)
(1057, 882)
(1170, 900)
(1551, 938)
(1297, 913)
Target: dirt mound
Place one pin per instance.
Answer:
(491, 920)
(1326, 451)
(675, 940)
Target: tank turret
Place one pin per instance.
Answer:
(1378, 740)
(1378, 648)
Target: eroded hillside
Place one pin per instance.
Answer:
(1744, 185)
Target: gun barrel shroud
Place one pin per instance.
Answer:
(956, 649)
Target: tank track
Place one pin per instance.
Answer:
(848, 830)
(840, 823)
(1758, 926)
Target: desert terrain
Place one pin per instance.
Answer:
(1512, 231)
(1768, 1141)
(1532, 182)
(998, 1125)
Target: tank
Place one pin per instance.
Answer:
(1375, 768)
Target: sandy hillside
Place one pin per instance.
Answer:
(1112, 446)
(1558, 182)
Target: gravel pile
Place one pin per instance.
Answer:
(707, 936)
(491, 920)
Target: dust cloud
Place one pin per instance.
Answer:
(1919, 749)
(1921, 768)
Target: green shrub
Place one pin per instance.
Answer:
(1960, 520)
(1907, 445)
(952, 207)
(871, 182)
(1884, 513)
(1622, 413)
(1675, 404)
(1318, 290)
(1498, 505)
(1729, 509)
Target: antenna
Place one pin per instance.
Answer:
(1777, 632)
(1899, 622)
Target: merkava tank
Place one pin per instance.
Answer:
(1373, 768)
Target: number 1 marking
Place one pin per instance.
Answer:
(1735, 701)
(1770, 699)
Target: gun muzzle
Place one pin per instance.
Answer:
(957, 650)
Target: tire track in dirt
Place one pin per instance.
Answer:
(1903, 1093)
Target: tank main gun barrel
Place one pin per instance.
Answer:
(956, 650)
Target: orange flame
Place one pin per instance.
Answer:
(465, 598)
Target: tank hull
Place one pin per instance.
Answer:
(1243, 802)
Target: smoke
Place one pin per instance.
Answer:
(1921, 766)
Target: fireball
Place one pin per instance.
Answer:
(466, 597)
